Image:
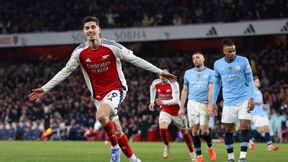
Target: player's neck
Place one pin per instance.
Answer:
(230, 60)
(164, 82)
(200, 67)
(94, 44)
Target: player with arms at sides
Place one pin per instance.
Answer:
(234, 74)
(260, 118)
(198, 87)
(100, 62)
(167, 93)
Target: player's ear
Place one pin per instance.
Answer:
(100, 30)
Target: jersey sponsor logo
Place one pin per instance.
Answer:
(237, 67)
(104, 57)
(165, 96)
(230, 77)
(98, 68)
(87, 60)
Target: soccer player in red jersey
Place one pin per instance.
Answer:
(168, 99)
(100, 62)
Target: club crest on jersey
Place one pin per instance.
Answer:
(87, 60)
(229, 68)
(237, 67)
(168, 90)
(104, 57)
(198, 76)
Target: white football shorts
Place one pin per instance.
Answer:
(197, 113)
(114, 99)
(180, 122)
(260, 121)
(231, 114)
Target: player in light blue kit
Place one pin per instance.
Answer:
(234, 73)
(260, 119)
(198, 86)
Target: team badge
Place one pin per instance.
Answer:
(104, 57)
(237, 67)
(198, 76)
(230, 69)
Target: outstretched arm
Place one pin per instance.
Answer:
(128, 55)
(71, 65)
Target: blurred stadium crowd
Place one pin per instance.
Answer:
(49, 15)
(69, 111)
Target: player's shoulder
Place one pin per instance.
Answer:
(242, 58)
(191, 70)
(220, 62)
(209, 70)
(110, 43)
(82, 46)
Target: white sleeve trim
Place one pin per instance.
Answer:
(153, 91)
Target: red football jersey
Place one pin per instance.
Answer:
(169, 93)
(101, 68)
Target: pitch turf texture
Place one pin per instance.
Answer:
(15, 151)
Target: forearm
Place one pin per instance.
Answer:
(173, 101)
(250, 82)
(137, 61)
(152, 94)
(184, 95)
(60, 76)
(216, 90)
(210, 93)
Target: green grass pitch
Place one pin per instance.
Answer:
(15, 151)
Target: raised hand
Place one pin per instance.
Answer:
(36, 94)
(168, 76)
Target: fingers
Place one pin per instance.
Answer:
(36, 94)
(169, 76)
(32, 96)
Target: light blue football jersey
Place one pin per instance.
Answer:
(233, 75)
(259, 108)
(197, 82)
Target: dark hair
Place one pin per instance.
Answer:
(198, 52)
(90, 18)
(227, 42)
(255, 77)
